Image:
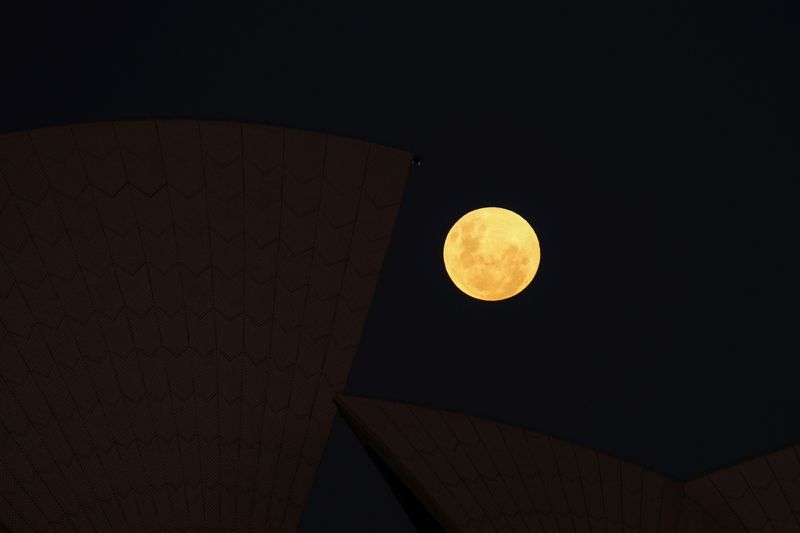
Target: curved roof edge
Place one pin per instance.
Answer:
(179, 301)
(210, 120)
(473, 473)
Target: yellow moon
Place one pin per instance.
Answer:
(491, 253)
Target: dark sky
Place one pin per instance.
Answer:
(653, 147)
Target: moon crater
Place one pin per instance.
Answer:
(491, 253)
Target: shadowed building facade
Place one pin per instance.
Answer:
(471, 474)
(179, 300)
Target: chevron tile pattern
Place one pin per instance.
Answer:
(479, 475)
(179, 300)
(759, 495)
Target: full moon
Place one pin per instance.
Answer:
(491, 253)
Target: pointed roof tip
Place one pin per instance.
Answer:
(344, 403)
(698, 505)
(337, 398)
(343, 396)
(342, 399)
(397, 435)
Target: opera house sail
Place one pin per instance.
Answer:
(179, 301)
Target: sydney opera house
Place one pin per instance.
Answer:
(180, 306)
(461, 473)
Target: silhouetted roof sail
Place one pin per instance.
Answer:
(761, 494)
(179, 300)
(474, 474)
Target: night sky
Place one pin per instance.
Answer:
(653, 148)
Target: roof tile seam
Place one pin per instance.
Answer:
(661, 495)
(24, 487)
(794, 514)
(204, 173)
(237, 468)
(486, 513)
(519, 475)
(210, 266)
(642, 497)
(584, 482)
(40, 322)
(41, 393)
(541, 475)
(604, 486)
(102, 225)
(561, 483)
(629, 493)
(320, 195)
(748, 489)
(158, 324)
(274, 303)
(150, 194)
(72, 333)
(192, 233)
(341, 291)
(362, 193)
(367, 437)
(164, 348)
(124, 309)
(498, 473)
(98, 450)
(727, 501)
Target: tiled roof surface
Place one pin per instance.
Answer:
(759, 495)
(478, 475)
(179, 300)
